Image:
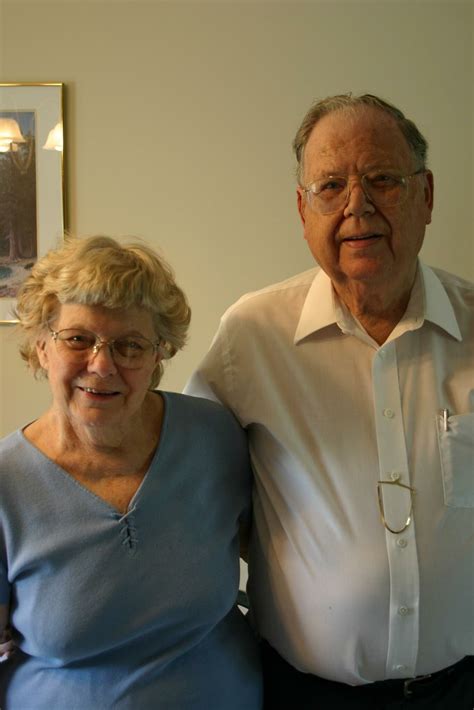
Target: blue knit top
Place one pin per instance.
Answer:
(133, 610)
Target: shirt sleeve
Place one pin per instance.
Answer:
(213, 379)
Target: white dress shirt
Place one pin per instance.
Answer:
(329, 413)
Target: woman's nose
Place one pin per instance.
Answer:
(102, 360)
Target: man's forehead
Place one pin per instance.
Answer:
(361, 131)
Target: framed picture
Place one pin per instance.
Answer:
(31, 182)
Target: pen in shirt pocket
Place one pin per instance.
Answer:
(445, 413)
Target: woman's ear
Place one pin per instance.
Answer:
(42, 353)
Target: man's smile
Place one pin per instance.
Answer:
(361, 240)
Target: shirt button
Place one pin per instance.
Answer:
(402, 542)
(389, 413)
(395, 476)
(401, 668)
(403, 610)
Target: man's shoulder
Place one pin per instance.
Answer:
(460, 291)
(450, 280)
(291, 291)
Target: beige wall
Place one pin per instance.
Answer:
(180, 117)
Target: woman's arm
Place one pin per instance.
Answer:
(6, 645)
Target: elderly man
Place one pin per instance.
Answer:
(355, 383)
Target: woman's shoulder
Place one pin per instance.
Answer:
(15, 462)
(12, 445)
(198, 405)
(17, 456)
(199, 416)
(204, 440)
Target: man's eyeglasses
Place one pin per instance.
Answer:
(78, 345)
(410, 492)
(382, 188)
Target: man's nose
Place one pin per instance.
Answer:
(358, 202)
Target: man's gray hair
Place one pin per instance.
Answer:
(417, 143)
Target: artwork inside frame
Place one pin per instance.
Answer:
(31, 182)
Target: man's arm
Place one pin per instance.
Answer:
(209, 382)
(6, 645)
(244, 536)
(198, 386)
(211, 379)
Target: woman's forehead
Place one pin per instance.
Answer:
(98, 317)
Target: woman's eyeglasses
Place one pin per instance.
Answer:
(78, 345)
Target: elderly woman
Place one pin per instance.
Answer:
(120, 506)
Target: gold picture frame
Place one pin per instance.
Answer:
(32, 188)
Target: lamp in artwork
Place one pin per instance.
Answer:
(13, 142)
(55, 138)
(10, 135)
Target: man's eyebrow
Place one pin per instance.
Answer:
(366, 169)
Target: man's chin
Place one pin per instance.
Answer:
(369, 271)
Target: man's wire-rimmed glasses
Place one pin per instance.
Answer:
(77, 345)
(383, 188)
(382, 508)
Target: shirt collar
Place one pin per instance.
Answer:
(437, 306)
(429, 301)
(319, 309)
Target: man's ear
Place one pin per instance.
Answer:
(429, 194)
(301, 202)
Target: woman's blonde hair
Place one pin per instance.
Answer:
(100, 271)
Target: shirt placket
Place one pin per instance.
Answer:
(401, 547)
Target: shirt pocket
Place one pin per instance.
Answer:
(456, 449)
